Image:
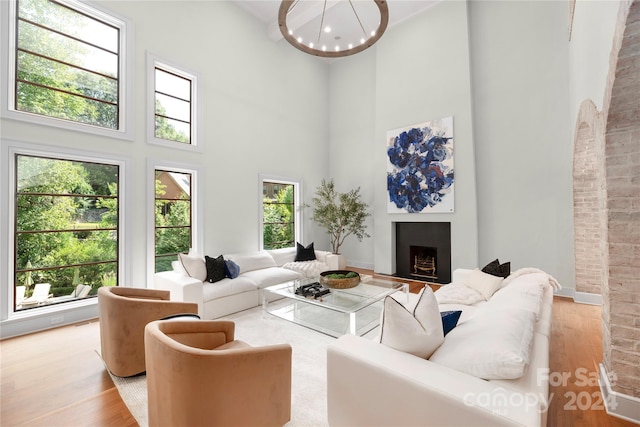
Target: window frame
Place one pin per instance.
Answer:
(197, 214)
(297, 205)
(13, 148)
(153, 62)
(8, 82)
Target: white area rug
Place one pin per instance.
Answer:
(308, 377)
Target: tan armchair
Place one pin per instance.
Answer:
(124, 312)
(197, 375)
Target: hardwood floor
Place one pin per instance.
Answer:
(56, 378)
(576, 350)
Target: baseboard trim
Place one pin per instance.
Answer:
(617, 404)
(565, 292)
(49, 317)
(580, 297)
(586, 298)
(358, 264)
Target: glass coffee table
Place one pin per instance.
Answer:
(342, 311)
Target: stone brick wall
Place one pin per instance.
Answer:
(586, 202)
(621, 287)
(606, 174)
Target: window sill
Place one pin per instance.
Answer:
(37, 119)
(48, 316)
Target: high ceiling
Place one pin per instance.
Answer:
(267, 12)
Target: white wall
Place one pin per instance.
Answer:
(422, 73)
(264, 111)
(353, 141)
(594, 24)
(519, 68)
(416, 72)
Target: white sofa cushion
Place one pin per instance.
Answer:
(534, 381)
(418, 332)
(283, 255)
(252, 260)
(524, 294)
(468, 311)
(226, 287)
(495, 345)
(270, 276)
(484, 283)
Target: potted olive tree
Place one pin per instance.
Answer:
(341, 214)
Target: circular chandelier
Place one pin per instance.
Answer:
(333, 28)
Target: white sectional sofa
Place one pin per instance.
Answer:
(257, 270)
(369, 383)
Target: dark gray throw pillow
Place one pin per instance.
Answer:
(496, 269)
(215, 268)
(305, 254)
(505, 269)
(492, 268)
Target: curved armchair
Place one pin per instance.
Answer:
(198, 375)
(124, 312)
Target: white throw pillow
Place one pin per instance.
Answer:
(494, 344)
(194, 265)
(419, 333)
(484, 283)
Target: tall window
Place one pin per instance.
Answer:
(66, 229)
(66, 64)
(172, 104)
(278, 214)
(173, 216)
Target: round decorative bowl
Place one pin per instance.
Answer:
(339, 279)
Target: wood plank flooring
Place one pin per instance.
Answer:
(55, 377)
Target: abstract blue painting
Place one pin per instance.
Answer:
(420, 168)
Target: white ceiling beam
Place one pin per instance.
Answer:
(305, 12)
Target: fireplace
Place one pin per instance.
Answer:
(423, 251)
(423, 262)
